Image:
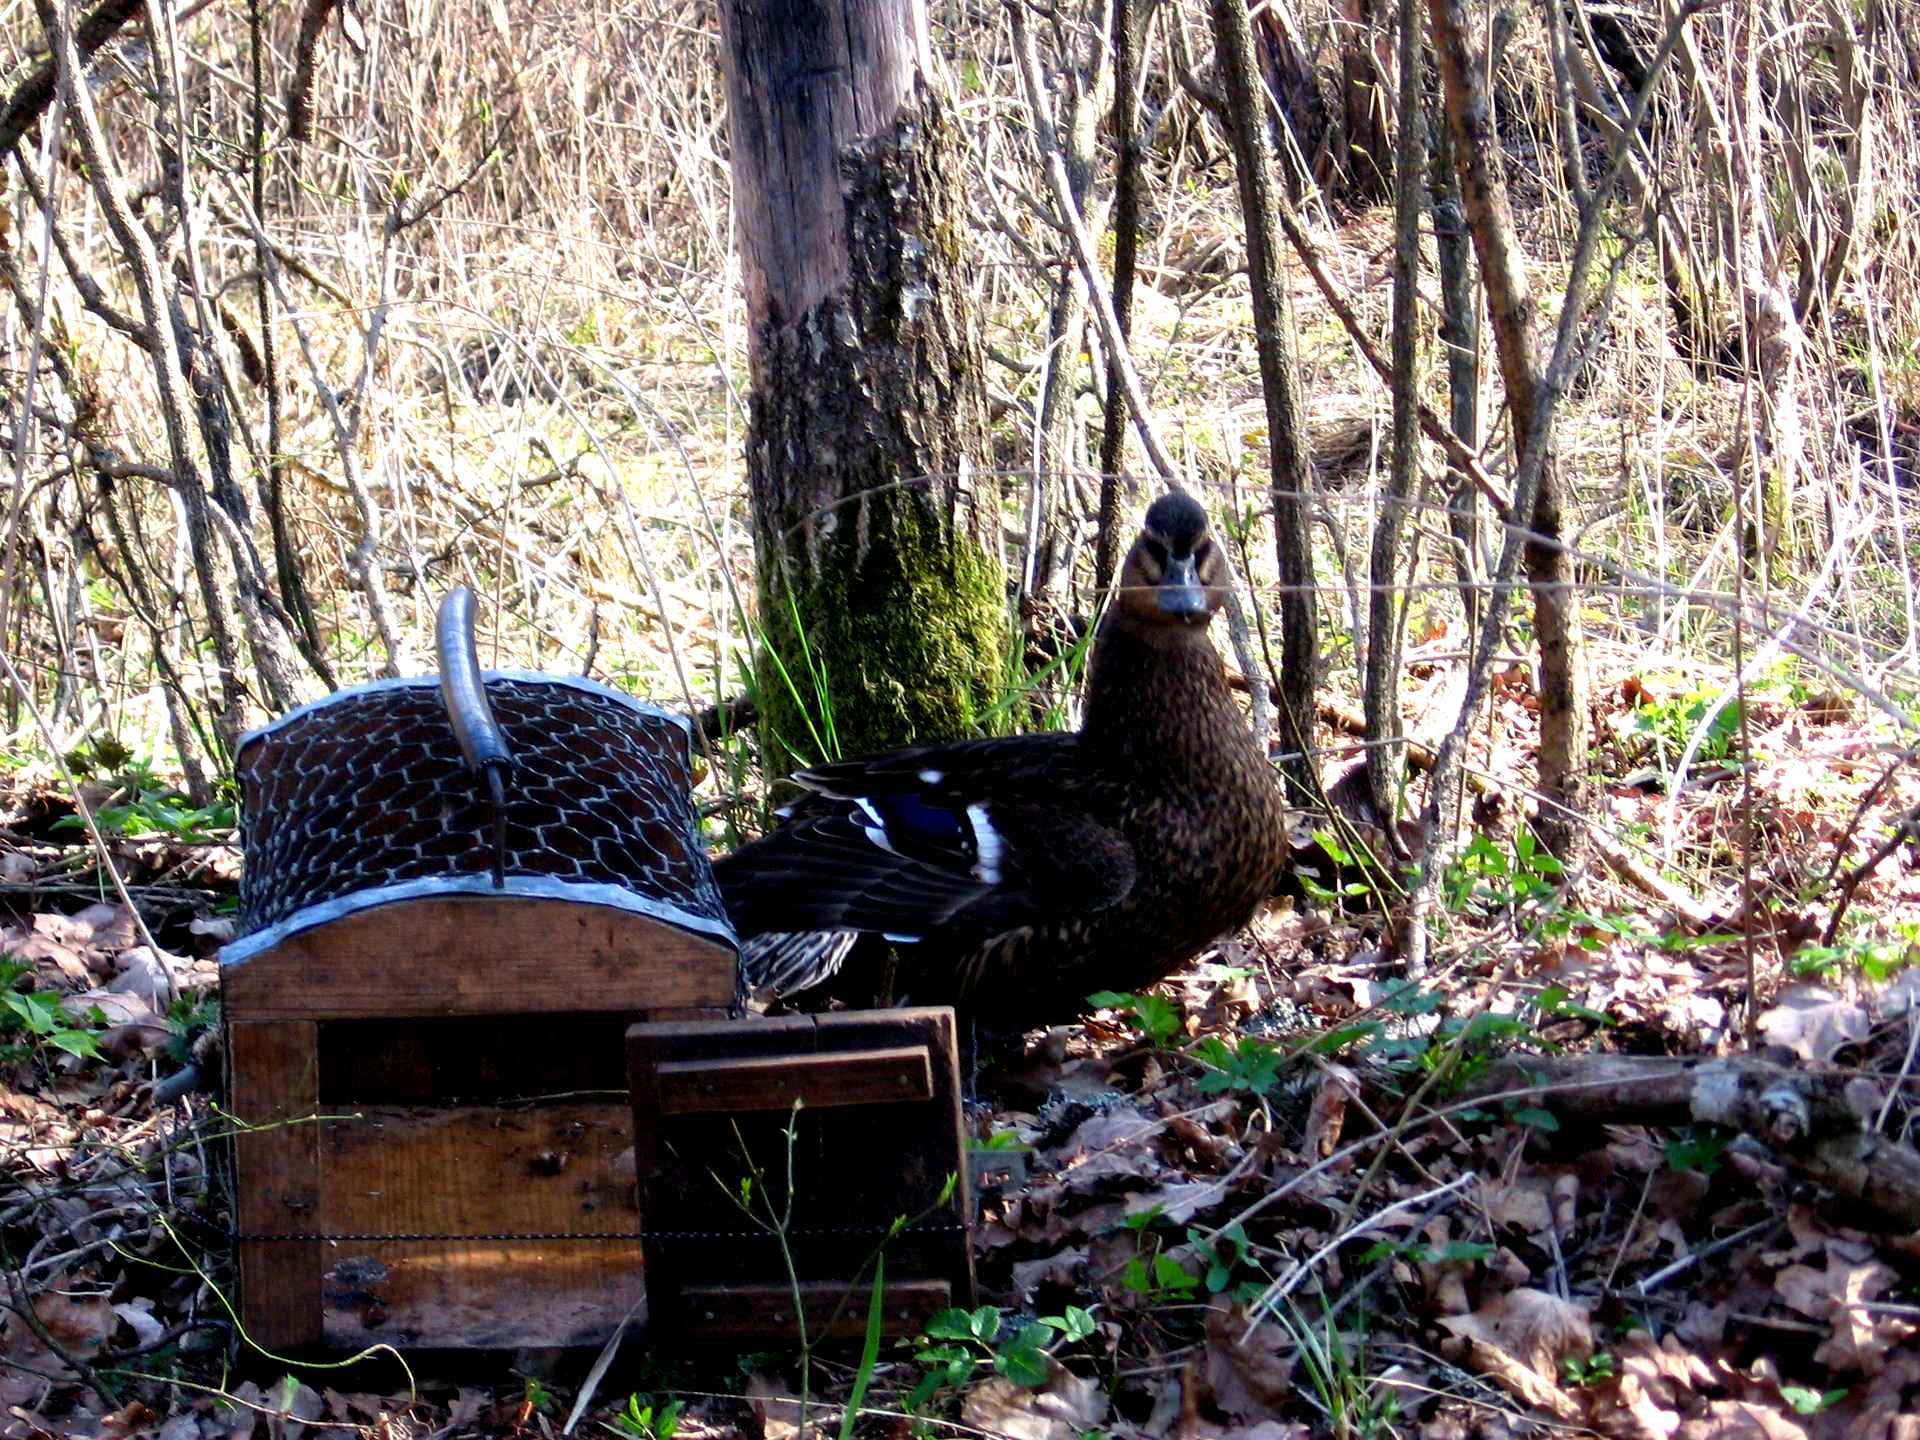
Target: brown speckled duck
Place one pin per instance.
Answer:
(1018, 876)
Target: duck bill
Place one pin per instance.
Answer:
(1181, 594)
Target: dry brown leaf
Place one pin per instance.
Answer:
(1059, 1410)
(1537, 1329)
(1842, 1295)
(775, 1407)
(1327, 1115)
(53, 943)
(1741, 1420)
(108, 926)
(1521, 1205)
(1249, 1381)
(78, 1324)
(1814, 1023)
(1065, 1268)
(1521, 1381)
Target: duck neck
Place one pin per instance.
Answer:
(1159, 693)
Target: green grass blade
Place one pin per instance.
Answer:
(869, 1352)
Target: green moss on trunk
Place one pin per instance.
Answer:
(895, 636)
(876, 516)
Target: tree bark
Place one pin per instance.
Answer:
(1386, 602)
(1084, 68)
(1126, 240)
(1366, 147)
(1280, 383)
(1512, 312)
(1460, 334)
(882, 601)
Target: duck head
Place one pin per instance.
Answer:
(1174, 575)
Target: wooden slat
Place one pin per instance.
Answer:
(833, 1308)
(558, 1168)
(855, 1170)
(274, 1083)
(471, 1059)
(852, 1077)
(506, 1295)
(479, 955)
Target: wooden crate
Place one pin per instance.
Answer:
(875, 1138)
(487, 1114)
(428, 1063)
(438, 1101)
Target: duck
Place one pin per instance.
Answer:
(1017, 876)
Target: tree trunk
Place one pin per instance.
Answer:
(1302, 135)
(882, 601)
(1084, 62)
(1280, 384)
(1460, 334)
(1387, 603)
(1511, 310)
(1366, 149)
(1127, 40)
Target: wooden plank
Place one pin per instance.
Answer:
(506, 1295)
(557, 1169)
(924, 1154)
(834, 1308)
(850, 1077)
(856, 1168)
(471, 1059)
(479, 955)
(274, 1083)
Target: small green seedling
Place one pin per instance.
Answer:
(1699, 1150)
(645, 1422)
(1596, 1369)
(959, 1342)
(1157, 1018)
(33, 1019)
(1810, 1402)
(1252, 1064)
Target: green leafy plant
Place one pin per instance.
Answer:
(811, 693)
(1152, 1272)
(32, 1019)
(1454, 1252)
(1698, 1150)
(1484, 878)
(646, 1421)
(1341, 856)
(1251, 1064)
(1876, 959)
(1595, 1369)
(1810, 1402)
(959, 1342)
(1667, 726)
(1159, 1277)
(1056, 681)
(869, 1349)
(1224, 1256)
(145, 805)
(1552, 1004)
(1157, 1018)
(1335, 1367)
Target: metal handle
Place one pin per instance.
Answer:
(464, 691)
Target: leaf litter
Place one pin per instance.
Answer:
(1168, 1170)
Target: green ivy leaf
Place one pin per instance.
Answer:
(1023, 1366)
(1075, 1325)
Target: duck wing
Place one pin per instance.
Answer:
(954, 843)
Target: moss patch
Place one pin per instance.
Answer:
(895, 641)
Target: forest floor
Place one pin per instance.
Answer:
(1264, 1199)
